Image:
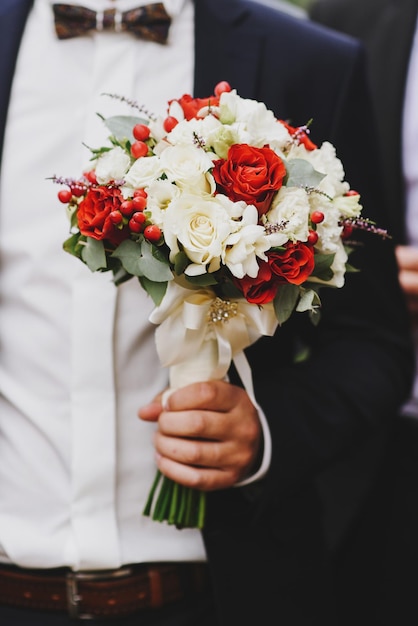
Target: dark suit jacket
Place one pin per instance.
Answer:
(387, 28)
(381, 551)
(264, 542)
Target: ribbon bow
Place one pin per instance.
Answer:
(150, 22)
(199, 335)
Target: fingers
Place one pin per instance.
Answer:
(409, 281)
(199, 465)
(208, 436)
(407, 257)
(150, 412)
(215, 394)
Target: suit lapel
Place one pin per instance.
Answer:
(390, 47)
(226, 48)
(13, 14)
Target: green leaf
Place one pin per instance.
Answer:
(153, 264)
(285, 301)
(180, 263)
(155, 290)
(322, 268)
(121, 126)
(309, 300)
(93, 254)
(301, 173)
(315, 316)
(73, 246)
(203, 280)
(138, 258)
(120, 275)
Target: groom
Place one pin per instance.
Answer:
(78, 361)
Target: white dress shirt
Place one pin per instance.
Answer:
(410, 169)
(76, 461)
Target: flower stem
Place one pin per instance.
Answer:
(175, 504)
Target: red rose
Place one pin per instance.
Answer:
(191, 106)
(93, 215)
(301, 134)
(250, 174)
(294, 265)
(261, 289)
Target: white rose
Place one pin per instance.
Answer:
(201, 226)
(188, 166)
(112, 165)
(143, 172)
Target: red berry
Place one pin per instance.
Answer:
(127, 208)
(351, 192)
(65, 196)
(139, 203)
(317, 217)
(347, 231)
(139, 217)
(115, 217)
(91, 177)
(152, 233)
(139, 149)
(78, 190)
(170, 122)
(222, 87)
(141, 132)
(312, 237)
(140, 193)
(136, 222)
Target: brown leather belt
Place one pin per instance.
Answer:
(86, 595)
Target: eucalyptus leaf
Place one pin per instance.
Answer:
(315, 316)
(285, 301)
(155, 290)
(153, 265)
(322, 268)
(301, 173)
(129, 254)
(181, 261)
(72, 245)
(121, 126)
(309, 301)
(120, 275)
(138, 259)
(203, 280)
(93, 254)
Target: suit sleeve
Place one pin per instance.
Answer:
(360, 364)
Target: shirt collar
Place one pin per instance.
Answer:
(173, 7)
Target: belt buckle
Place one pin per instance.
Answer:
(74, 598)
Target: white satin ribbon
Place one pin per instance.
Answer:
(186, 336)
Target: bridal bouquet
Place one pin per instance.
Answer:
(230, 218)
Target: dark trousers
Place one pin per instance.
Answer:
(195, 613)
(377, 569)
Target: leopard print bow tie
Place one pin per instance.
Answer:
(150, 22)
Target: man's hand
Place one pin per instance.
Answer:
(208, 437)
(407, 257)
